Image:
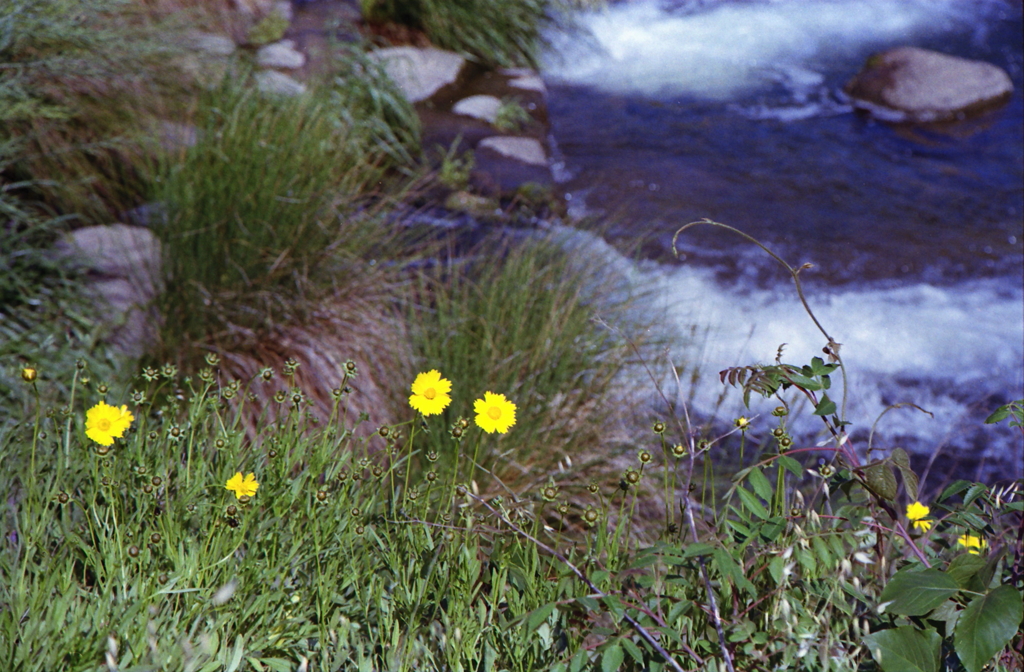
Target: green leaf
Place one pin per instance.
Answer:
(538, 616)
(915, 593)
(880, 480)
(987, 625)
(791, 465)
(964, 567)
(906, 649)
(752, 504)
(804, 382)
(825, 407)
(759, 482)
(1000, 413)
(633, 650)
(953, 489)
(700, 548)
(973, 492)
(612, 658)
(733, 570)
(900, 458)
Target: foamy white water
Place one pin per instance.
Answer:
(643, 47)
(943, 348)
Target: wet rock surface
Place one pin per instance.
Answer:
(918, 85)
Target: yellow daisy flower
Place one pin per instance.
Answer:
(494, 413)
(916, 513)
(243, 487)
(430, 393)
(104, 423)
(972, 543)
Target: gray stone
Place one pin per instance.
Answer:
(278, 83)
(420, 73)
(124, 274)
(912, 84)
(479, 107)
(281, 54)
(527, 150)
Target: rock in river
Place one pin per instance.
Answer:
(918, 85)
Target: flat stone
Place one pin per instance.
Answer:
(529, 83)
(527, 150)
(278, 83)
(912, 84)
(479, 107)
(419, 73)
(281, 54)
(116, 250)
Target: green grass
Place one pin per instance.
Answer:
(492, 32)
(519, 318)
(273, 196)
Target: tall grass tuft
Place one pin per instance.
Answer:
(493, 33)
(269, 196)
(520, 318)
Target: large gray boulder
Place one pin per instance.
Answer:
(912, 84)
(420, 73)
(123, 274)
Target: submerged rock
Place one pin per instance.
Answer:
(527, 150)
(912, 84)
(420, 73)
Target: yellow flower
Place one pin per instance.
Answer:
(972, 543)
(916, 512)
(243, 487)
(430, 393)
(494, 413)
(28, 374)
(104, 423)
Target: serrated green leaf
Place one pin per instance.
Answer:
(900, 458)
(633, 650)
(825, 407)
(611, 659)
(759, 482)
(987, 625)
(880, 480)
(905, 649)
(963, 567)
(915, 593)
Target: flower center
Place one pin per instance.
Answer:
(103, 424)
(430, 393)
(494, 412)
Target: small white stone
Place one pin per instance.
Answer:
(531, 83)
(281, 54)
(274, 82)
(527, 150)
(479, 107)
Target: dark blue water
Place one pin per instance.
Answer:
(734, 111)
(861, 199)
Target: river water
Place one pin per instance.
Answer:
(668, 112)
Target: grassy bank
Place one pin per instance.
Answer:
(260, 493)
